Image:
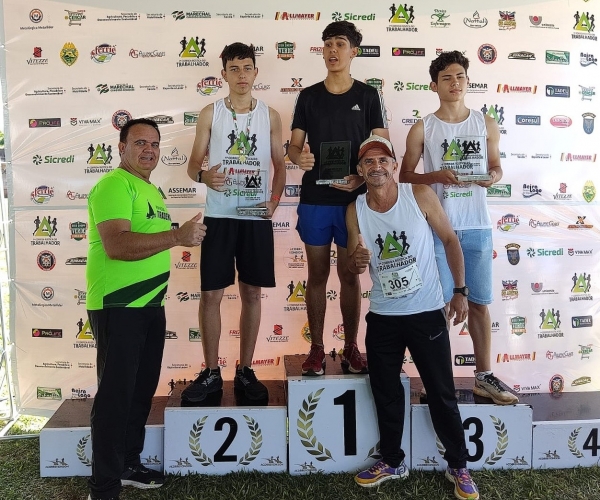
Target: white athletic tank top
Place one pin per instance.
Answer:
(462, 147)
(401, 242)
(229, 148)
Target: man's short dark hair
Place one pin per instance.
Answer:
(238, 50)
(444, 60)
(138, 121)
(343, 28)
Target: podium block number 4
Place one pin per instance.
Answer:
(591, 443)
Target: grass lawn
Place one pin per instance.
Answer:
(20, 480)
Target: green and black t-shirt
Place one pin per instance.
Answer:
(119, 283)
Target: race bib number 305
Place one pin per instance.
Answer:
(401, 282)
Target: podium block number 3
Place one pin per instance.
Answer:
(476, 439)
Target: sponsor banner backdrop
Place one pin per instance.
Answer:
(76, 72)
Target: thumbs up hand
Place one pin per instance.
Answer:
(192, 232)
(362, 255)
(213, 178)
(307, 159)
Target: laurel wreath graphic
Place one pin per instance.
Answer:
(374, 452)
(195, 448)
(502, 443)
(305, 428)
(256, 444)
(572, 443)
(440, 447)
(81, 451)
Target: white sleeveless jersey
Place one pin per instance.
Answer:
(463, 148)
(401, 243)
(230, 148)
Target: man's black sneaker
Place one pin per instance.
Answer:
(207, 382)
(142, 477)
(90, 497)
(246, 381)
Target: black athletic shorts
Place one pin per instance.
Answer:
(237, 243)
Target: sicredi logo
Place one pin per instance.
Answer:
(349, 16)
(400, 86)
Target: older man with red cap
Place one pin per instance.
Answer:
(389, 232)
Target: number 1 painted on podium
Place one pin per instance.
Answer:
(348, 401)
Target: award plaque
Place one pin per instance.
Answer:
(252, 191)
(335, 162)
(473, 177)
(470, 156)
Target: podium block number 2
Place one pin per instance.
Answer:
(233, 428)
(220, 455)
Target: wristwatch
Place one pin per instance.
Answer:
(464, 290)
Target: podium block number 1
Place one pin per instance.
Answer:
(348, 401)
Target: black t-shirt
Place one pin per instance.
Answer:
(327, 117)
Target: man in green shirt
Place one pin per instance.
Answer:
(127, 272)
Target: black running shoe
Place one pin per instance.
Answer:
(246, 381)
(142, 477)
(207, 382)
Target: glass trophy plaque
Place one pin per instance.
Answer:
(252, 191)
(335, 162)
(470, 155)
(473, 177)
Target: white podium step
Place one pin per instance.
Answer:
(497, 437)
(226, 433)
(66, 447)
(333, 428)
(563, 445)
(332, 420)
